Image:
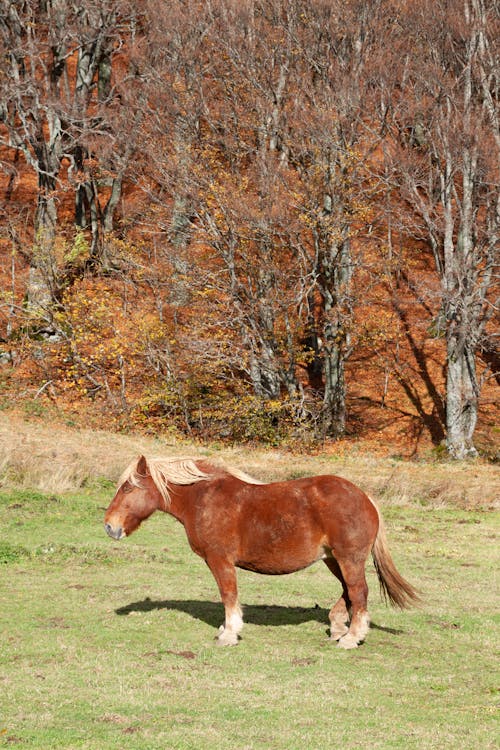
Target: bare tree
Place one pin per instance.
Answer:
(55, 86)
(217, 122)
(329, 145)
(447, 169)
(272, 105)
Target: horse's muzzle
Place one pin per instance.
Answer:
(114, 533)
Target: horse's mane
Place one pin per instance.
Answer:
(165, 471)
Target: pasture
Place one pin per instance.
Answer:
(106, 645)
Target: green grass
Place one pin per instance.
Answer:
(110, 645)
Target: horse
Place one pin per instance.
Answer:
(234, 521)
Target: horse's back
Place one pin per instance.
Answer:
(284, 526)
(346, 514)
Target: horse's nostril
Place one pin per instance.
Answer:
(113, 533)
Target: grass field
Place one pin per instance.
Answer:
(110, 645)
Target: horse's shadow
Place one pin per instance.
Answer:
(212, 613)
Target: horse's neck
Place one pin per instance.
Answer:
(180, 502)
(184, 498)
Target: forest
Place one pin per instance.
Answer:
(264, 221)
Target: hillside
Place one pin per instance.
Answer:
(254, 224)
(54, 458)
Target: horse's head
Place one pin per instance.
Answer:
(136, 499)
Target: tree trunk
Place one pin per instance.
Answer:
(263, 373)
(42, 280)
(335, 287)
(334, 411)
(334, 399)
(462, 396)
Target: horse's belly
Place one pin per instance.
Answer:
(281, 559)
(273, 570)
(279, 544)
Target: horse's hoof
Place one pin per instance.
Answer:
(227, 641)
(336, 633)
(348, 641)
(226, 638)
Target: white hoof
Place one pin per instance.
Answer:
(226, 637)
(338, 631)
(348, 641)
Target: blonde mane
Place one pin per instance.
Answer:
(183, 471)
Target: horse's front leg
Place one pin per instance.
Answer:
(224, 573)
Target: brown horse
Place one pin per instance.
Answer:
(233, 521)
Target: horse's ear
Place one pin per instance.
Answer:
(142, 466)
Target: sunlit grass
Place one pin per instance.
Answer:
(108, 645)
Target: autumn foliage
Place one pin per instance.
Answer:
(251, 220)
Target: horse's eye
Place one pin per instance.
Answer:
(127, 487)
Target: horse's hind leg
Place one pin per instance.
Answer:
(339, 613)
(353, 572)
(224, 573)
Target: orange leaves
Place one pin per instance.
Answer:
(98, 341)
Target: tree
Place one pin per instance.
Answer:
(55, 90)
(446, 168)
(217, 123)
(266, 103)
(329, 145)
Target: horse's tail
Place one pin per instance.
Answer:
(393, 586)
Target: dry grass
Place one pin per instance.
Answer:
(55, 458)
(110, 645)
(52, 458)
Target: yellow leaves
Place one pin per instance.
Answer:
(79, 251)
(377, 329)
(207, 292)
(98, 341)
